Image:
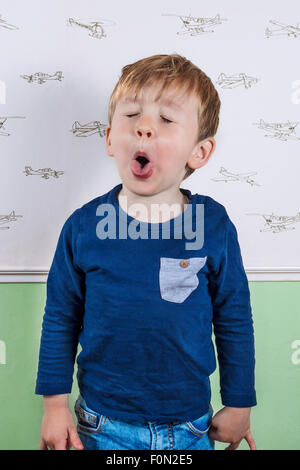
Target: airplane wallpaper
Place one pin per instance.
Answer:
(41, 78)
(242, 177)
(279, 130)
(196, 25)
(235, 80)
(43, 172)
(88, 129)
(283, 29)
(4, 219)
(3, 121)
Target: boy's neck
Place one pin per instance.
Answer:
(172, 205)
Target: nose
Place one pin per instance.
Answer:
(144, 128)
(141, 132)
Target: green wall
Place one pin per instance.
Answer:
(275, 420)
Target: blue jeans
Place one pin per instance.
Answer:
(97, 431)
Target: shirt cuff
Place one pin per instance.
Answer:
(239, 401)
(53, 389)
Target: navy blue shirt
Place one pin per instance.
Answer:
(142, 303)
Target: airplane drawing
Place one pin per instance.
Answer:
(279, 130)
(43, 172)
(233, 81)
(4, 219)
(4, 24)
(86, 130)
(243, 177)
(196, 25)
(4, 119)
(42, 77)
(284, 29)
(95, 27)
(278, 223)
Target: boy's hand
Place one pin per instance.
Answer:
(232, 425)
(58, 431)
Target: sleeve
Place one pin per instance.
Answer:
(63, 314)
(233, 325)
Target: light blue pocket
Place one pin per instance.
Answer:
(178, 277)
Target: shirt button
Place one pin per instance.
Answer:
(184, 263)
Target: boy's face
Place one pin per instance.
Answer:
(169, 145)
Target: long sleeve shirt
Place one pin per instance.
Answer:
(142, 300)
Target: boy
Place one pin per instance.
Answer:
(139, 297)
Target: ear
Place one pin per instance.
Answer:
(201, 153)
(108, 141)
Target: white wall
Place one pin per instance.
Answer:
(38, 37)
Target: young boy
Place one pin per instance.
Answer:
(140, 289)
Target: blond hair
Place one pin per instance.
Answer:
(176, 71)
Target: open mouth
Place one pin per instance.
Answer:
(142, 160)
(141, 166)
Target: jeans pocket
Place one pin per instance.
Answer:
(178, 277)
(88, 420)
(201, 425)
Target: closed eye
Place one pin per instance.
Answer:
(165, 119)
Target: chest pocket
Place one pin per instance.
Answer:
(178, 277)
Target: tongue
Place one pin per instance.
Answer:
(137, 169)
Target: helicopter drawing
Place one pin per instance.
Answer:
(43, 172)
(8, 218)
(233, 81)
(4, 24)
(41, 78)
(86, 130)
(284, 29)
(95, 27)
(196, 25)
(278, 223)
(4, 119)
(280, 130)
(243, 177)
